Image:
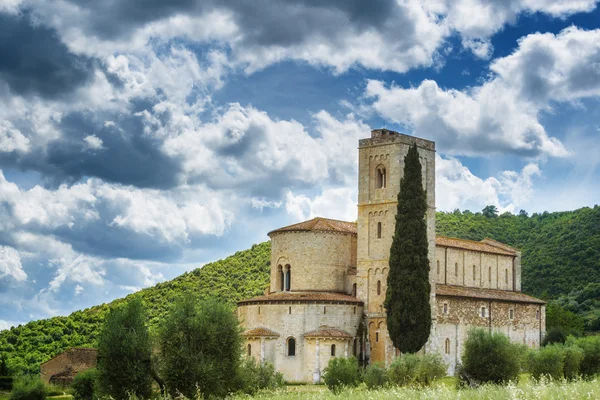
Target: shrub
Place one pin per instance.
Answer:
(490, 357)
(590, 364)
(254, 377)
(554, 335)
(547, 361)
(6, 383)
(340, 373)
(403, 369)
(84, 385)
(430, 368)
(28, 388)
(375, 376)
(572, 362)
(55, 390)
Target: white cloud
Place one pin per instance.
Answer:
(8, 324)
(10, 264)
(93, 142)
(11, 139)
(336, 203)
(78, 290)
(501, 115)
(458, 187)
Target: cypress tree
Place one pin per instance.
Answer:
(408, 290)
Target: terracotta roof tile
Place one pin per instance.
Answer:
(328, 332)
(489, 294)
(473, 245)
(320, 225)
(303, 296)
(260, 332)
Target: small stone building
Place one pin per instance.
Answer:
(329, 278)
(61, 370)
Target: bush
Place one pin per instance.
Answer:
(547, 361)
(403, 369)
(28, 388)
(340, 373)
(375, 376)
(55, 390)
(430, 368)
(572, 362)
(254, 377)
(490, 357)
(590, 364)
(84, 385)
(554, 335)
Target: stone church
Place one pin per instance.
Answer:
(329, 279)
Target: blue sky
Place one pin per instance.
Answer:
(142, 139)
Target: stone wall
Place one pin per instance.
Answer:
(318, 261)
(456, 316)
(294, 319)
(75, 360)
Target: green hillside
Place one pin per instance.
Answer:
(561, 261)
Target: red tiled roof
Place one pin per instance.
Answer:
(320, 225)
(303, 296)
(474, 246)
(328, 332)
(488, 294)
(260, 332)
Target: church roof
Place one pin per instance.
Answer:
(294, 297)
(320, 225)
(487, 294)
(328, 332)
(260, 332)
(484, 246)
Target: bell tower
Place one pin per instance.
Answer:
(380, 168)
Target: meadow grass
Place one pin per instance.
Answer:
(445, 390)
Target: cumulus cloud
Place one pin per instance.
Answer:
(10, 264)
(336, 203)
(502, 114)
(458, 187)
(11, 139)
(93, 142)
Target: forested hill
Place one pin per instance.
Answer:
(561, 260)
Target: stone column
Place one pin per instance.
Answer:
(262, 350)
(317, 373)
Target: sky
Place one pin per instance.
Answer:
(140, 139)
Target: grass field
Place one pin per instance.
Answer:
(445, 390)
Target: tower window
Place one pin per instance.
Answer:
(288, 277)
(445, 308)
(376, 336)
(333, 350)
(381, 177)
(379, 230)
(291, 347)
(378, 288)
(447, 346)
(354, 290)
(249, 350)
(281, 277)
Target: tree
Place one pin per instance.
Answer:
(490, 212)
(124, 353)
(200, 345)
(559, 318)
(408, 291)
(489, 357)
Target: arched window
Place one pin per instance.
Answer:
(379, 230)
(447, 346)
(354, 290)
(456, 269)
(376, 336)
(474, 273)
(378, 288)
(291, 347)
(438, 267)
(249, 350)
(288, 277)
(381, 178)
(333, 350)
(281, 277)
